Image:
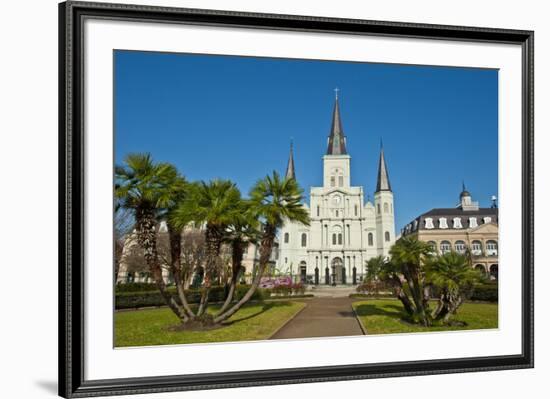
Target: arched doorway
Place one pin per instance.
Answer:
(303, 271)
(493, 271)
(481, 269)
(337, 270)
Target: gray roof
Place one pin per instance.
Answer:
(290, 171)
(450, 214)
(336, 140)
(383, 182)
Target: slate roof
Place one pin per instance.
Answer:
(450, 214)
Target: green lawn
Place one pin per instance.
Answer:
(151, 326)
(384, 316)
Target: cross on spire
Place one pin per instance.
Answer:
(336, 90)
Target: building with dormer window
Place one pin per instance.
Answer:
(467, 226)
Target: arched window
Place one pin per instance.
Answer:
(386, 208)
(371, 239)
(492, 248)
(340, 181)
(481, 269)
(355, 210)
(334, 239)
(445, 247)
(304, 239)
(339, 238)
(337, 213)
(460, 246)
(387, 236)
(476, 247)
(433, 246)
(287, 238)
(378, 208)
(493, 271)
(332, 181)
(318, 211)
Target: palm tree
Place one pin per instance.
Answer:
(274, 201)
(242, 232)
(409, 254)
(144, 187)
(454, 277)
(214, 205)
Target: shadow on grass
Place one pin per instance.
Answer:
(394, 311)
(265, 307)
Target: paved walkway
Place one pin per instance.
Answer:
(322, 317)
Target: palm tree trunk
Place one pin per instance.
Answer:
(236, 261)
(175, 268)
(213, 244)
(265, 254)
(147, 238)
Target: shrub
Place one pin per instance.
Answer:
(485, 292)
(140, 299)
(135, 287)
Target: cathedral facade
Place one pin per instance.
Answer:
(345, 231)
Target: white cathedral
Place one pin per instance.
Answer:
(345, 231)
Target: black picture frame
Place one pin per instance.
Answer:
(71, 200)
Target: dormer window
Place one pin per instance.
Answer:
(443, 223)
(428, 223)
(415, 225)
(457, 223)
(473, 222)
(487, 219)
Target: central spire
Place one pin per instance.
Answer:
(336, 140)
(290, 172)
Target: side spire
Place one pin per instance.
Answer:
(290, 171)
(336, 139)
(383, 182)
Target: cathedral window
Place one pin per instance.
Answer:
(387, 236)
(428, 223)
(378, 208)
(473, 222)
(334, 239)
(355, 210)
(340, 181)
(287, 238)
(337, 213)
(371, 239)
(332, 181)
(386, 208)
(339, 238)
(318, 211)
(304, 239)
(457, 223)
(443, 223)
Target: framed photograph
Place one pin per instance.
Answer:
(254, 199)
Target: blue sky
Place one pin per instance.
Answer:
(233, 117)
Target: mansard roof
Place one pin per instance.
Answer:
(450, 214)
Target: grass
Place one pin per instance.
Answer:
(385, 316)
(151, 326)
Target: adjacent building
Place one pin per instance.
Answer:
(464, 227)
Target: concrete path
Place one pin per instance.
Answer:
(322, 317)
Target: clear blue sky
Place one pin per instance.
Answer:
(233, 117)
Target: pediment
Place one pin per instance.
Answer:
(485, 229)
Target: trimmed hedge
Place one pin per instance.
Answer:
(141, 299)
(135, 287)
(485, 292)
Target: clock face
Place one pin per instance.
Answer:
(336, 200)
